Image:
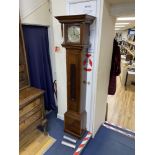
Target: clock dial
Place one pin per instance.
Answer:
(74, 34)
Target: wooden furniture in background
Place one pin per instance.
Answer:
(76, 42)
(31, 100)
(129, 73)
(129, 47)
(127, 62)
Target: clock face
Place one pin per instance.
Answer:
(74, 34)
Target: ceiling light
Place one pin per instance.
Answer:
(119, 26)
(121, 23)
(116, 29)
(126, 18)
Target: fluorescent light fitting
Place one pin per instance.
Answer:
(119, 26)
(126, 18)
(121, 23)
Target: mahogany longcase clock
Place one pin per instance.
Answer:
(76, 30)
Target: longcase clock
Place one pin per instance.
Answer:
(76, 30)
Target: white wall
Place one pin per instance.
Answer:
(35, 12)
(58, 8)
(104, 66)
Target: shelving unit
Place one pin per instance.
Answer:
(129, 47)
(131, 42)
(128, 50)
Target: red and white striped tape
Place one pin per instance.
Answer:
(117, 130)
(83, 144)
(119, 126)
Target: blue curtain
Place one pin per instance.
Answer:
(38, 57)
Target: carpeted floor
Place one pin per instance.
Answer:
(106, 141)
(120, 128)
(109, 142)
(56, 130)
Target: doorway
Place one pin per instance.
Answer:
(121, 105)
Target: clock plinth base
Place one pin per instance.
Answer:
(75, 123)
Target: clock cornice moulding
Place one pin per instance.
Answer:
(76, 18)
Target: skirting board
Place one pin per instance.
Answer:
(60, 116)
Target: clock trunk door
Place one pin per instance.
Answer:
(73, 79)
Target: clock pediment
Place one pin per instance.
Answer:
(76, 19)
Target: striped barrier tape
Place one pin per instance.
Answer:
(83, 144)
(119, 126)
(117, 130)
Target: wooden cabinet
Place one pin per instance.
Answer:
(31, 111)
(31, 100)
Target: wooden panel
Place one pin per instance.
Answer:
(30, 120)
(73, 79)
(31, 112)
(85, 32)
(29, 94)
(75, 123)
(76, 19)
(29, 107)
(23, 68)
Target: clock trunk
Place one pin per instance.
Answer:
(75, 117)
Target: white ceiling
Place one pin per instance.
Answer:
(130, 25)
(119, 1)
(123, 8)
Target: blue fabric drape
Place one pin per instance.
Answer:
(38, 57)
